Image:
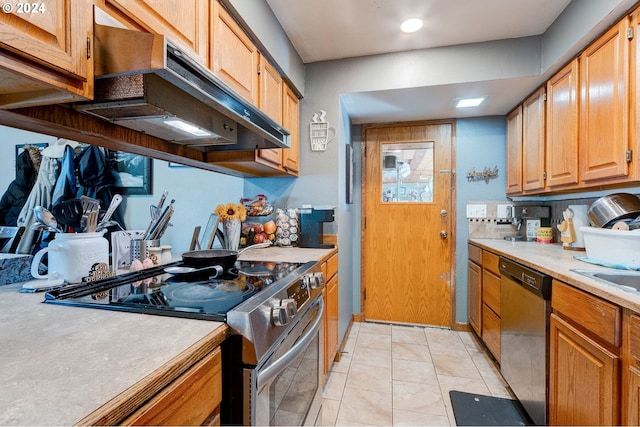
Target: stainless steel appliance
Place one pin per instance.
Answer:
(524, 356)
(147, 83)
(527, 220)
(272, 360)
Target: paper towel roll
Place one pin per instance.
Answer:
(580, 219)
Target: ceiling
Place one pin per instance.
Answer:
(335, 29)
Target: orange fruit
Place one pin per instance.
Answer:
(269, 227)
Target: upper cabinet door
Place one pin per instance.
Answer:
(185, 22)
(533, 142)
(604, 121)
(270, 100)
(53, 33)
(562, 128)
(514, 151)
(291, 122)
(235, 57)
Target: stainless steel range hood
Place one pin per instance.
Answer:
(146, 83)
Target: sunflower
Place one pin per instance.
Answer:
(231, 211)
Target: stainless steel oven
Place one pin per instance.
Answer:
(286, 388)
(272, 357)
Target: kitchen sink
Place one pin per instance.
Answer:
(628, 280)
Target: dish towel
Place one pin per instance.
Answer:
(605, 264)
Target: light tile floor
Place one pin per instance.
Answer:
(401, 375)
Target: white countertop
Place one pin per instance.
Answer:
(60, 363)
(285, 254)
(554, 261)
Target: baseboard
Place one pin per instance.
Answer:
(461, 327)
(357, 318)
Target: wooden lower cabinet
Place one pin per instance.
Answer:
(631, 370)
(491, 331)
(584, 378)
(474, 298)
(332, 321)
(330, 295)
(483, 284)
(192, 399)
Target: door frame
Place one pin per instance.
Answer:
(452, 233)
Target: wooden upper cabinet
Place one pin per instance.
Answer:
(562, 128)
(533, 142)
(291, 122)
(46, 53)
(185, 22)
(514, 151)
(270, 83)
(52, 33)
(235, 57)
(270, 102)
(604, 97)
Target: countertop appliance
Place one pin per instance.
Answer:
(524, 355)
(311, 221)
(274, 311)
(527, 220)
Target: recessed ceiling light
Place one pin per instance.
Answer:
(469, 102)
(411, 25)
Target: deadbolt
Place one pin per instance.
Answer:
(443, 212)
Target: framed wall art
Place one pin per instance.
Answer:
(132, 172)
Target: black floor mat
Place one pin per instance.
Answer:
(478, 410)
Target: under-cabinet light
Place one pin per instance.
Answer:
(187, 127)
(469, 102)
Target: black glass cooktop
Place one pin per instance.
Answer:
(192, 294)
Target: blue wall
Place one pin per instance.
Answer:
(480, 143)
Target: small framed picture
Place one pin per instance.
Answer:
(132, 172)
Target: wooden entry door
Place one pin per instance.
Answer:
(407, 231)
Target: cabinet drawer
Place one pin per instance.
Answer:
(595, 315)
(491, 331)
(490, 262)
(332, 267)
(192, 399)
(475, 254)
(491, 291)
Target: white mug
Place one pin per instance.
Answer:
(71, 256)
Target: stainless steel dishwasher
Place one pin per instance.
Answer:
(525, 309)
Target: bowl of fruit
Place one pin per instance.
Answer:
(256, 232)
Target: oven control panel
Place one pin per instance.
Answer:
(297, 294)
(313, 280)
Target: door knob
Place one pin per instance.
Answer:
(443, 234)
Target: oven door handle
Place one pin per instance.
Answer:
(281, 364)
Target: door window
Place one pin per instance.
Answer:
(407, 172)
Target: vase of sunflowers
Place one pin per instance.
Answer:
(231, 215)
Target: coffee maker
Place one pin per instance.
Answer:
(527, 220)
(311, 220)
